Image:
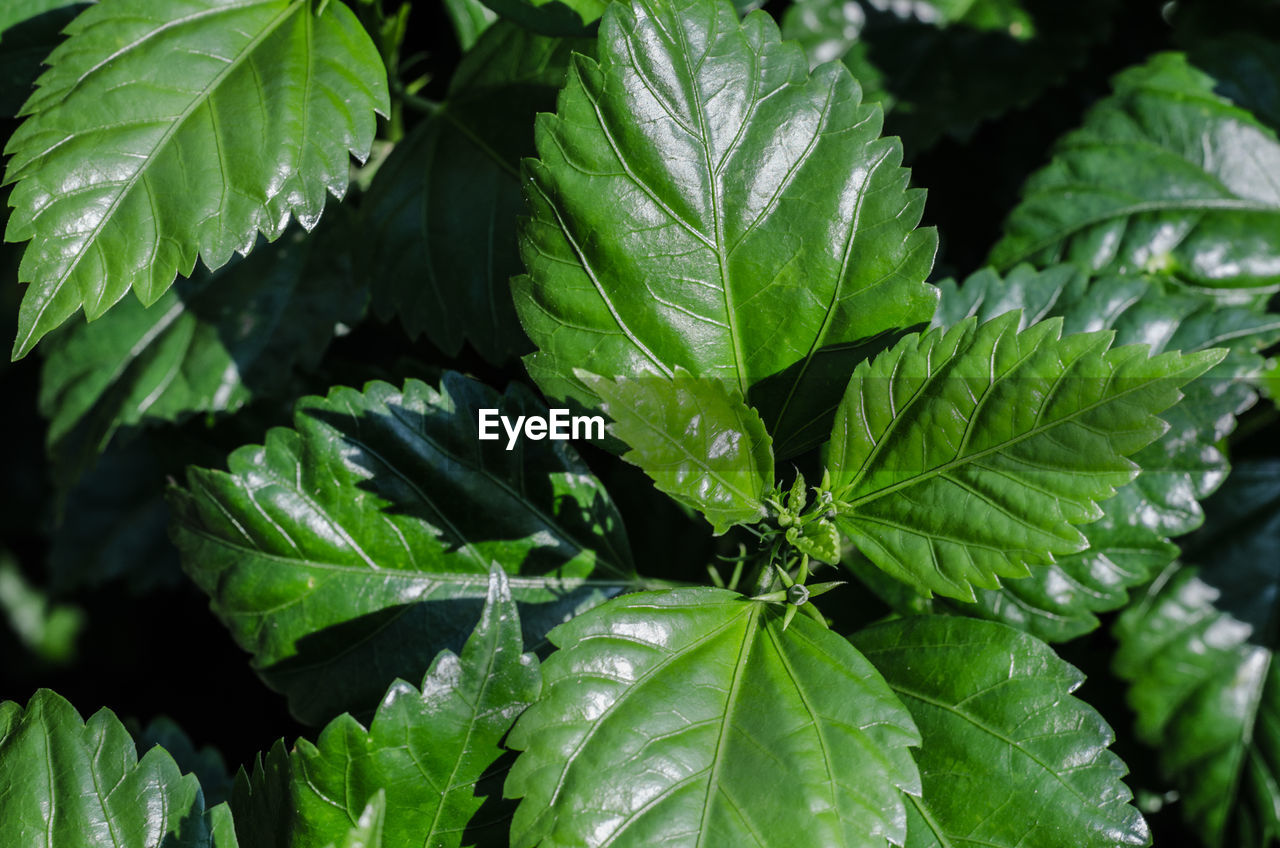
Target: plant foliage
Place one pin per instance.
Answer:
(569, 440)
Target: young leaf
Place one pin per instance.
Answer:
(209, 344)
(689, 717)
(941, 68)
(77, 783)
(697, 439)
(163, 131)
(701, 202)
(1170, 174)
(1198, 649)
(440, 217)
(357, 545)
(961, 456)
(1007, 757)
(1129, 544)
(433, 752)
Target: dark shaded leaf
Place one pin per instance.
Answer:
(350, 550)
(209, 344)
(440, 217)
(434, 752)
(1198, 649)
(941, 68)
(1171, 174)
(29, 30)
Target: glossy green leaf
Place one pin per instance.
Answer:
(697, 439)
(964, 456)
(71, 783)
(688, 717)
(1198, 649)
(440, 218)
(701, 202)
(209, 344)
(29, 30)
(435, 752)
(166, 130)
(1173, 173)
(1129, 544)
(940, 67)
(351, 549)
(1007, 757)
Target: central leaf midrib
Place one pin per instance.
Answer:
(672, 656)
(717, 213)
(717, 756)
(516, 581)
(486, 679)
(126, 188)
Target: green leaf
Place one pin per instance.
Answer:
(470, 18)
(962, 456)
(82, 784)
(1198, 650)
(1129, 544)
(47, 629)
(160, 132)
(440, 217)
(351, 549)
(368, 829)
(205, 763)
(568, 17)
(550, 17)
(701, 202)
(688, 716)
(15, 13)
(1008, 758)
(697, 439)
(940, 67)
(209, 344)
(435, 752)
(1173, 173)
(29, 30)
